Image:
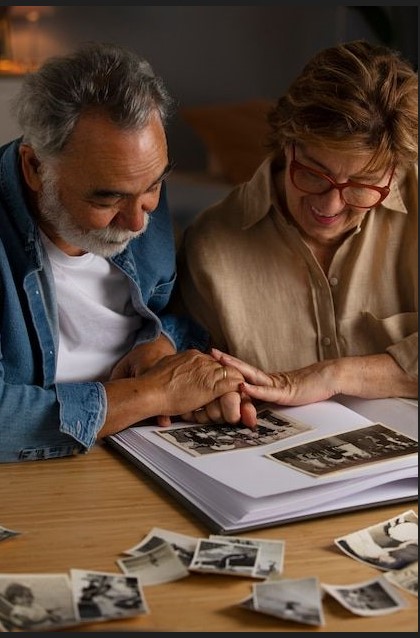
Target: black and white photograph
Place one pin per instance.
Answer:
(102, 595)
(6, 533)
(159, 564)
(406, 578)
(392, 544)
(182, 544)
(270, 558)
(199, 440)
(224, 557)
(36, 602)
(297, 600)
(347, 450)
(372, 598)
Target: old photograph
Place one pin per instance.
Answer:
(270, 558)
(298, 600)
(225, 558)
(372, 598)
(102, 596)
(182, 544)
(392, 544)
(6, 533)
(210, 438)
(406, 578)
(36, 602)
(347, 450)
(159, 564)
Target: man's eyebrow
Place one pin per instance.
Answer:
(102, 192)
(168, 168)
(166, 171)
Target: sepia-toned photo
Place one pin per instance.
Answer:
(155, 564)
(36, 602)
(406, 578)
(182, 544)
(298, 600)
(102, 596)
(223, 557)
(392, 544)
(6, 533)
(199, 440)
(372, 598)
(270, 558)
(345, 451)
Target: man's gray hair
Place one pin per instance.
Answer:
(99, 76)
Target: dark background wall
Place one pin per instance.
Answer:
(220, 54)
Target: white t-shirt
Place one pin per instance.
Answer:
(97, 321)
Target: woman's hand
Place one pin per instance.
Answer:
(313, 383)
(232, 407)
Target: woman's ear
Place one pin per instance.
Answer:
(30, 167)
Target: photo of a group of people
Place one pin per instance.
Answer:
(347, 450)
(199, 440)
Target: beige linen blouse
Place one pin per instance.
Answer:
(245, 273)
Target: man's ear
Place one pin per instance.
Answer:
(30, 167)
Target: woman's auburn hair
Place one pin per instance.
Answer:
(354, 97)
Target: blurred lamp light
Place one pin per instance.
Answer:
(20, 38)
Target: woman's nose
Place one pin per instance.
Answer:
(331, 202)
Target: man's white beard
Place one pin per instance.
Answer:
(104, 241)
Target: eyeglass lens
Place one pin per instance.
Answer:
(314, 183)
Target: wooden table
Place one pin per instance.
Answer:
(83, 512)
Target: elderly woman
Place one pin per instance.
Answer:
(306, 276)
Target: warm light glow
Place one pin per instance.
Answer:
(23, 40)
(32, 14)
(10, 67)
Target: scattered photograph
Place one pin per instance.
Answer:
(346, 451)
(221, 557)
(406, 578)
(102, 596)
(297, 600)
(372, 598)
(160, 564)
(7, 533)
(199, 440)
(270, 557)
(36, 602)
(183, 545)
(392, 544)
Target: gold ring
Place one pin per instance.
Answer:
(224, 373)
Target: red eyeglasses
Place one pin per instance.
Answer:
(309, 180)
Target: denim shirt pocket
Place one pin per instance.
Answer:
(160, 295)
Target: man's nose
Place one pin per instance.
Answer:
(132, 217)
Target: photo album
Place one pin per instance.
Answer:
(299, 462)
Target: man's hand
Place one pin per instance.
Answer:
(142, 358)
(177, 384)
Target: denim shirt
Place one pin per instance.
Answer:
(38, 417)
